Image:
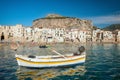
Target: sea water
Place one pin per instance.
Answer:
(102, 63)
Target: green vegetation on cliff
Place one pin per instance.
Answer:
(95, 28)
(112, 27)
(56, 18)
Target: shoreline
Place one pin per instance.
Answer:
(41, 44)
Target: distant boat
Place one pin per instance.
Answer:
(43, 46)
(49, 61)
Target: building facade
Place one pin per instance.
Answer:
(51, 35)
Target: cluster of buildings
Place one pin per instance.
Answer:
(53, 35)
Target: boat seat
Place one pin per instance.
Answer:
(31, 56)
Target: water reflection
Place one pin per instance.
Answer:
(45, 74)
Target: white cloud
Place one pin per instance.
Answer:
(110, 19)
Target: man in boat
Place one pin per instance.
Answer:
(80, 51)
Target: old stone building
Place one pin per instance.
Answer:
(118, 36)
(97, 35)
(105, 36)
(7, 33)
(108, 36)
(82, 36)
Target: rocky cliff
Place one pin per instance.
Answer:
(55, 21)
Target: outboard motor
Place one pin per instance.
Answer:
(81, 49)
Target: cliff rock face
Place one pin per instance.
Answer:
(57, 21)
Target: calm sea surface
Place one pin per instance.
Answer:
(102, 63)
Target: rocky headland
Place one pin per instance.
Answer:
(58, 21)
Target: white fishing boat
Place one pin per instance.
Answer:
(50, 61)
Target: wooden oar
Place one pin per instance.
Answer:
(58, 53)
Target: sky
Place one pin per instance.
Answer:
(101, 12)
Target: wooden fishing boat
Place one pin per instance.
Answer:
(52, 61)
(49, 61)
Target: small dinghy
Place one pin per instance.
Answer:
(43, 46)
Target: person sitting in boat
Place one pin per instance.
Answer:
(80, 51)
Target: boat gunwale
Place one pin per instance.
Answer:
(83, 58)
